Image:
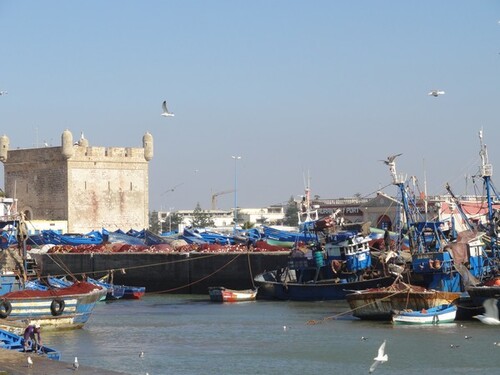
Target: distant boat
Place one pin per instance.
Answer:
(133, 292)
(114, 292)
(221, 294)
(435, 315)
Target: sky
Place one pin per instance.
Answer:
(323, 88)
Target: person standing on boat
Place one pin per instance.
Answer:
(387, 240)
(32, 337)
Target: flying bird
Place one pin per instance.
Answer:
(390, 159)
(166, 113)
(3, 93)
(490, 315)
(436, 93)
(76, 364)
(380, 358)
(30, 362)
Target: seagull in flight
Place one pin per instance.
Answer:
(390, 159)
(3, 93)
(491, 312)
(436, 93)
(380, 358)
(166, 113)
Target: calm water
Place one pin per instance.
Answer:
(190, 335)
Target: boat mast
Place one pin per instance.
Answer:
(486, 172)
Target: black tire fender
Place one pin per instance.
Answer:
(5, 309)
(57, 307)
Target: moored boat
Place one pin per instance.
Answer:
(381, 303)
(133, 292)
(221, 294)
(59, 308)
(328, 272)
(435, 315)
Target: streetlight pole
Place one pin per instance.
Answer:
(236, 158)
(170, 219)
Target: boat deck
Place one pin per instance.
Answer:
(16, 363)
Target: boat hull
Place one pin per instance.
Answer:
(221, 294)
(438, 315)
(65, 308)
(133, 292)
(323, 290)
(381, 305)
(12, 341)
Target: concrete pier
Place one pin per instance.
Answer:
(188, 273)
(16, 363)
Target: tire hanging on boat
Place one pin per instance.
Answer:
(57, 307)
(5, 309)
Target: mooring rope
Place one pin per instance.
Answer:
(67, 271)
(200, 280)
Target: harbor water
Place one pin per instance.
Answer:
(186, 334)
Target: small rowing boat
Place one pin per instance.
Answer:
(12, 341)
(434, 315)
(221, 294)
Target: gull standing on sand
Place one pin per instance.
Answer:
(380, 358)
(436, 93)
(76, 364)
(165, 112)
(490, 315)
(30, 362)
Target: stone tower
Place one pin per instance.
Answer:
(89, 187)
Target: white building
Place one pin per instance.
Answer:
(225, 218)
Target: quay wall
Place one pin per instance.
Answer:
(188, 273)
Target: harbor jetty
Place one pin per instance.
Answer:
(16, 363)
(183, 273)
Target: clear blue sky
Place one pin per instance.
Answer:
(293, 87)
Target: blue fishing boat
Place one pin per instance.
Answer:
(62, 307)
(324, 272)
(134, 292)
(12, 341)
(438, 261)
(113, 292)
(74, 239)
(435, 315)
(57, 308)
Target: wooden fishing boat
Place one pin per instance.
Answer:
(221, 294)
(65, 308)
(435, 315)
(12, 341)
(381, 303)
